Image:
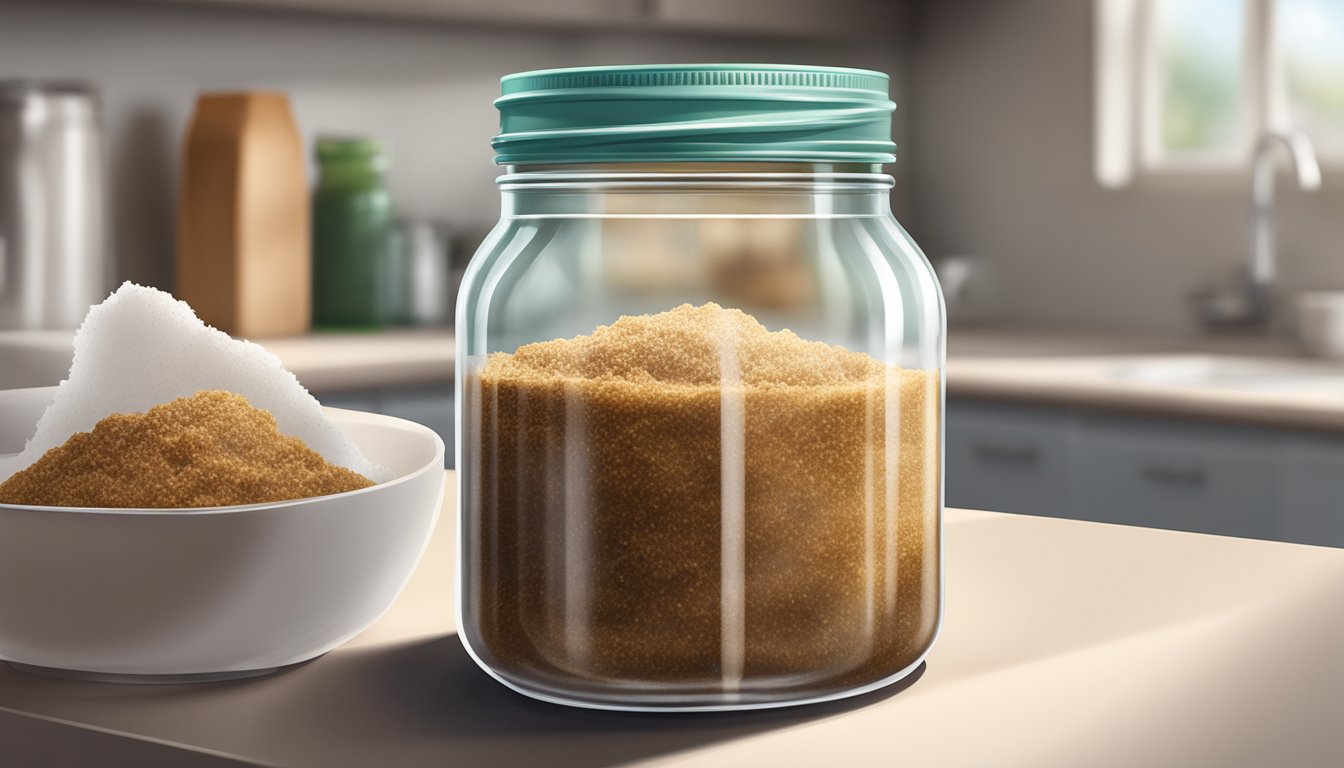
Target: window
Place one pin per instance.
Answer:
(1195, 70)
(1189, 85)
(1311, 39)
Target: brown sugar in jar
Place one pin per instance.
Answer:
(688, 502)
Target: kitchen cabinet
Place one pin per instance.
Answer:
(845, 19)
(1185, 477)
(873, 20)
(1010, 459)
(430, 406)
(1179, 474)
(1311, 508)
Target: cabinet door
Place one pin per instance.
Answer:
(1311, 498)
(1009, 458)
(835, 19)
(431, 407)
(1183, 476)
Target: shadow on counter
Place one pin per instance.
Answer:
(427, 703)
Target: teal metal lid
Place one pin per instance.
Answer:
(695, 112)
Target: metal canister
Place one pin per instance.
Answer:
(421, 280)
(53, 247)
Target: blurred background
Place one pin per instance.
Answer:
(1134, 207)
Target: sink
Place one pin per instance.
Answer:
(1234, 373)
(34, 358)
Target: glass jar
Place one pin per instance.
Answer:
(352, 224)
(700, 393)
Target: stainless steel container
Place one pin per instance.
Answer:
(53, 250)
(420, 279)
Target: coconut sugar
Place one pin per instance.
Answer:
(210, 449)
(690, 499)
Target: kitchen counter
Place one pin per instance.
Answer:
(1065, 644)
(323, 362)
(977, 342)
(1108, 371)
(338, 361)
(1011, 364)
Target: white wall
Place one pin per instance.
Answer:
(995, 128)
(1000, 147)
(427, 87)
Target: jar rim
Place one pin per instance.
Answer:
(824, 180)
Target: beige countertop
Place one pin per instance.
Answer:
(1065, 644)
(1051, 367)
(1111, 371)
(1019, 342)
(404, 357)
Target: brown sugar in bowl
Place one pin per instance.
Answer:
(212, 449)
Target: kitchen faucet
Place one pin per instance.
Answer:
(1249, 305)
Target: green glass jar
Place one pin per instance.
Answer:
(352, 222)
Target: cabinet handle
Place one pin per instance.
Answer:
(1007, 453)
(1189, 477)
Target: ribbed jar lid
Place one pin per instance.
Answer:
(695, 112)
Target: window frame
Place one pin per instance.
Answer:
(1128, 85)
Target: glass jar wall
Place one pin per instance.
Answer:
(699, 446)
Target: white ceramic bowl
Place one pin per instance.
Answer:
(1320, 322)
(182, 595)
